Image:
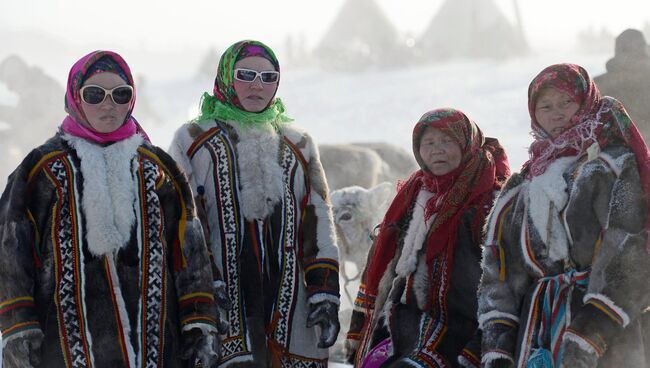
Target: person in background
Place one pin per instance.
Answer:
(628, 78)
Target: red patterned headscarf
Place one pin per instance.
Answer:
(482, 170)
(599, 119)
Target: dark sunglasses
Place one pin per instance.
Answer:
(94, 95)
(248, 75)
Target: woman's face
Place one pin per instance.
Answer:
(255, 96)
(105, 116)
(554, 110)
(440, 152)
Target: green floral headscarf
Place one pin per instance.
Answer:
(224, 105)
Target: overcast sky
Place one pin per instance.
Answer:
(196, 23)
(165, 39)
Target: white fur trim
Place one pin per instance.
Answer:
(493, 315)
(580, 341)
(465, 363)
(217, 284)
(415, 236)
(260, 174)
(322, 297)
(205, 328)
(488, 358)
(547, 196)
(121, 309)
(178, 149)
(610, 303)
(110, 191)
(325, 232)
(492, 230)
(616, 164)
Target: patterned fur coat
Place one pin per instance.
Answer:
(101, 253)
(577, 234)
(264, 204)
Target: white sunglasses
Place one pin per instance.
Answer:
(249, 75)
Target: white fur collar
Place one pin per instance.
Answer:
(415, 236)
(260, 175)
(109, 191)
(548, 195)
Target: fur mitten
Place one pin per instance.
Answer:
(577, 357)
(23, 351)
(201, 347)
(326, 315)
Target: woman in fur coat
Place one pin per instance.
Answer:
(263, 201)
(417, 301)
(103, 259)
(565, 263)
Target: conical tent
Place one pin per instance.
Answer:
(471, 28)
(360, 36)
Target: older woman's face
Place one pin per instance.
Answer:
(255, 96)
(106, 116)
(554, 110)
(440, 152)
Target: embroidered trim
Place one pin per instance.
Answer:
(585, 343)
(468, 360)
(608, 307)
(20, 302)
(494, 317)
(69, 266)
(153, 268)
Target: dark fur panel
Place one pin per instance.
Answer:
(21, 225)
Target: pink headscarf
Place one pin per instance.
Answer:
(76, 122)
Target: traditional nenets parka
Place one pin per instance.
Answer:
(103, 261)
(417, 300)
(263, 199)
(566, 268)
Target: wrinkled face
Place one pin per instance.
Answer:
(255, 96)
(106, 116)
(440, 152)
(554, 110)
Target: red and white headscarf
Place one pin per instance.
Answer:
(483, 169)
(599, 119)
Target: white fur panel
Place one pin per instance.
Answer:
(322, 297)
(493, 315)
(178, 149)
(325, 232)
(260, 174)
(581, 342)
(110, 191)
(546, 191)
(610, 303)
(415, 236)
